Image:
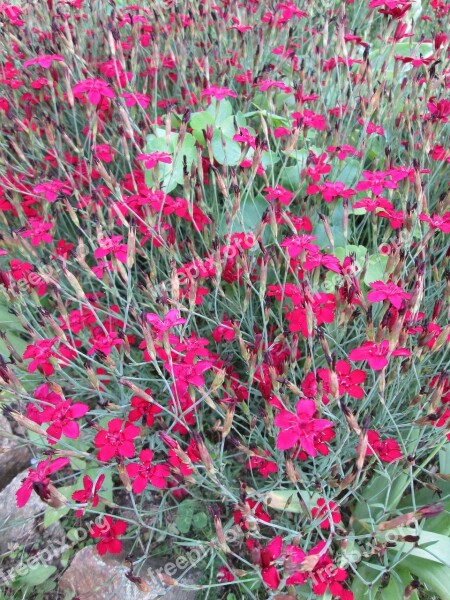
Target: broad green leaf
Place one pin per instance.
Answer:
(37, 574)
(431, 546)
(288, 500)
(349, 172)
(376, 268)
(200, 520)
(220, 110)
(225, 150)
(52, 515)
(290, 177)
(199, 121)
(435, 576)
(185, 515)
(268, 159)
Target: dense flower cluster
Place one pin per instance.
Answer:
(224, 249)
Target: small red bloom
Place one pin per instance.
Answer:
(39, 478)
(117, 440)
(300, 426)
(41, 352)
(249, 509)
(387, 291)
(144, 410)
(108, 532)
(112, 245)
(146, 472)
(43, 60)
(326, 509)
(62, 421)
(94, 89)
(171, 319)
(88, 493)
(388, 450)
(151, 160)
(376, 354)
(218, 92)
(264, 466)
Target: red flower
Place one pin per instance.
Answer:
(278, 193)
(145, 472)
(264, 466)
(265, 557)
(88, 493)
(249, 508)
(108, 532)
(440, 222)
(62, 421)
(331, 190)
(224, 331)
(376, 181)
(300, 426)
(388, 450)
(326, 509)
(296, 244)
(116, 441)
(142, 100)
(94, 89)
(104, 152)
(112, 245)
(308, 118)
(144, 410)
(348, 380)
(38, 232)
(387, 291)
(38, 479)
(151, 160)
(104, 343)
(327, 576)
(218, 92)
(41, 352)
(43, 60)
(171, 319)
(376, 354)
(51, 189)
(224, 575)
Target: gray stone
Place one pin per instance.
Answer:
(93, 577)
(21, 526)
(14, 455)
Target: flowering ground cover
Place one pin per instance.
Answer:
(226, 287)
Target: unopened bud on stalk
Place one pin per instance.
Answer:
(140, 583)
(75, 284)
(218, 380)
(15, 355)
(228, 421)
(27, 423)
(204, 454)
(327, 228)
(50, 495)
(131, 247)
(136, 390)
(292, 472)
(124, 478)
(166, 580)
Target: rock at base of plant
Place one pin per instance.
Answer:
(23, 526)
(94, 577)
(14, 456)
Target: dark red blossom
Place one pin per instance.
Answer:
(116, 440)
(376, 354)
(300, 426)
(108, 531)
(145, 472)
(39, 477)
